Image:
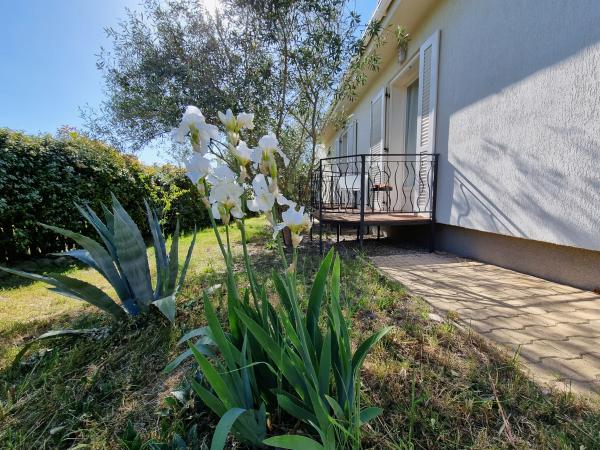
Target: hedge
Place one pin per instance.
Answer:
(42, 177)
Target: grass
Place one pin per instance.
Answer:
(440, 387)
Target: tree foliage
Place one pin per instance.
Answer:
(280, 59)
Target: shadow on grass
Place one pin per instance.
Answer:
(41, 266)
(87, 390)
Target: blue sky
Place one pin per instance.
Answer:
(48, 60)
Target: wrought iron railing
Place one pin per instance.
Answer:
(376, 184)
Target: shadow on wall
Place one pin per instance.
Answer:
(552, 199)
(518, 125)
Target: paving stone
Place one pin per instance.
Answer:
(543, 332)
(538, 350)
(584, 345)
(577, 316)
(518, 337)
(557, 326)
(572, 369)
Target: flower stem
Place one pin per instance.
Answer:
(249, 271)
(228, 243)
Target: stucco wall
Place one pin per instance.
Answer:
(519, 118)
(518, 124)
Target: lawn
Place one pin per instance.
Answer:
(439, 386)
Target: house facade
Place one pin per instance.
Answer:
(507, 94)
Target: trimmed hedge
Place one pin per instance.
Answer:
(41, 179)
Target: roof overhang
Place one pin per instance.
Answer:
(408, 13)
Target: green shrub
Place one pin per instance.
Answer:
(174, 194)
(42, 178)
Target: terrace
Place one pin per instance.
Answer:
(375, 190)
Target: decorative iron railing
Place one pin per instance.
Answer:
(375, 184)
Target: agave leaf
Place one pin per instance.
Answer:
(160, 252)
(223, 428)
(368, 414)
(157, 234)
(51, 335)
(110, 219)
(173, 268)
(202, 348)
(293, 442)
(103, 231)
(202, 331)
(78, 289)
(133, 258)
(166, 305)
(81, 255)
(186, 265)
(100, 256)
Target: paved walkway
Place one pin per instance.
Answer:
(557, 326)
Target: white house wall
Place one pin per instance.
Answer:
(518, 124)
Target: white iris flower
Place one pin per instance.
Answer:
(198, 167)
(193, 124)
(264, 199)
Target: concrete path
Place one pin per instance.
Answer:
(557, 326)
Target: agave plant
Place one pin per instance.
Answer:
(123, 261)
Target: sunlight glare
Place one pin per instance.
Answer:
(210, 5)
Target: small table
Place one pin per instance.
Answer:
(386, 188)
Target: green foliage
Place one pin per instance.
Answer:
(177, 198)
(279, 359)
(402, 37)
(123, 262)
(308, 359)
(42, 178)
(87, 390)
(281, 60)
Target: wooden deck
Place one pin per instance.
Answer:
(376, 218)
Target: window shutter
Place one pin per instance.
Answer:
(377, 138)
(352, 138)
(427, 106)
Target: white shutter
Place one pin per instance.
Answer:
(352, 138)
(427, 106)
(377, 138)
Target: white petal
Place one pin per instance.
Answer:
(253, 205)
(286, 160)
(285, 202)
(268, 142)
(277, 228)
(215, 211)
(237, 212)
